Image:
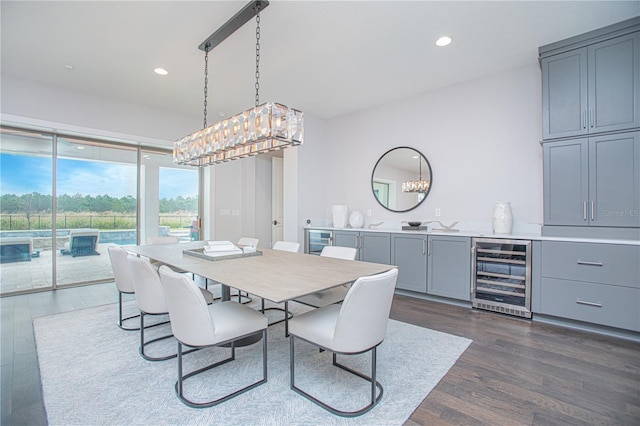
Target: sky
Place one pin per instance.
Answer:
(20, 174)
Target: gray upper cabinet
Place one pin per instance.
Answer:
(593, 181)
(372, 246)
(564, 94)
(566, 182)
(449, 267)
(592, 89)
(409, 254)
(614, 84)
(614, 180)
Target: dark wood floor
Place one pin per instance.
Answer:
(515, 371)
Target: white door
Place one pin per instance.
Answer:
(277, 199)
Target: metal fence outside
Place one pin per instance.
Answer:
(22, 222)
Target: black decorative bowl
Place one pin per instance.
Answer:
(415, 224)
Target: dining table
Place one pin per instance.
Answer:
(274, 275)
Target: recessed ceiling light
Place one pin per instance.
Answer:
(68, 66)
(161, 71)
(80, 147)
(443, 41)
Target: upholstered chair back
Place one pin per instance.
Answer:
(347, 253)
(287, 246)
(362, 322)
(146, 281)
(121, 270)
(191, 322)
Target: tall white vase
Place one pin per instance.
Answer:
(340, 215)
(502, 218)
(356, 219)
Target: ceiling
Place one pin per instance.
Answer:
(327, 58)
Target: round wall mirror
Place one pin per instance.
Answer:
(401, 179)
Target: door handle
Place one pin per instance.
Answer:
(583, 262)
(275, 222)
(584, 302)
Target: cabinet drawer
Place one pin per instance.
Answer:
(595, 303)
(614, 264)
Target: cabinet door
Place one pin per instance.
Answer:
(566, 182)
(614, 84)
(375, 247)
(345, 239)
(409, 254)
(614, 180)
(449, 267)
(564, 94)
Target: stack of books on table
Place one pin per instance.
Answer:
(221, 248)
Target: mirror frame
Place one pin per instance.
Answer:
(422, 156)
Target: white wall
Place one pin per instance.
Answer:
(99, 116)
(481, 139)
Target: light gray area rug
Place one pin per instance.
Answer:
(92, 374)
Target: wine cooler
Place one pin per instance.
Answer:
(317, 239)
(501, 274)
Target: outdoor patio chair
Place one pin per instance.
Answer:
(82, 242)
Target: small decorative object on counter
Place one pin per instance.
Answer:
(502, 218)
(356, 219)
(339, 213)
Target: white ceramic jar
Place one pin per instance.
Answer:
(339, 213)
(502, 218)
(356, 219)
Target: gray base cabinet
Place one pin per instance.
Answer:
(449, 267)
(409, 254)
(372, 246)
(593, 283)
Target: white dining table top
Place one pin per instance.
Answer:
(275, 275)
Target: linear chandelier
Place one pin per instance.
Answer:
(419, 185)
(265, 127)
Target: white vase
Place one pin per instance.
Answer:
(502, 218)
(356, 219)
(339, 213)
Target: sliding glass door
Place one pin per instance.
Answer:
(64, 200)
(26, 243)
(169, 198)
(96, 207)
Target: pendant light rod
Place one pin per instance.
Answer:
(237, 21)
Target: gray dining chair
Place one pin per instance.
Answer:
(332, 295)
(124, 281)
(356, 326)
(197, 325)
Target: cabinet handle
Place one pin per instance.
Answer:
(584, 119)
(582, 262)
(592, 119)
(429, 251)
(584, 302)
(593, 210)
(584, 211)
(424, 243)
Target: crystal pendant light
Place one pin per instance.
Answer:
(417, 185)
(266, 127)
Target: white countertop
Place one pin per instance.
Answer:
(468, 233)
